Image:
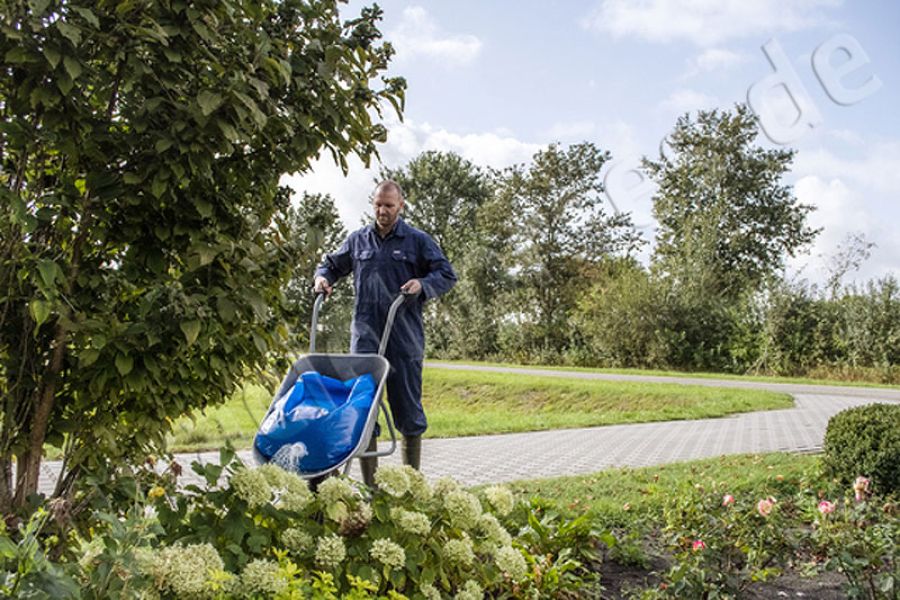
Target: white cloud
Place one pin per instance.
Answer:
(571, 131)
(687, 100)
(714, 59)
(405, 141)
(419, 35)
(704, 22)
(878, 169)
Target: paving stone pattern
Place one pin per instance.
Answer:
(511, 457)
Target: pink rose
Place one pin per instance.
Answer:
(698, 545)
(727, 500)
(826, 507)
(764, 507)
(861, 486)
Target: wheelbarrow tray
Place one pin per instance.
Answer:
(342, 367)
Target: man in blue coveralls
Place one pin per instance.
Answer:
(386, 258)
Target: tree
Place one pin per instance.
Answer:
(562, 232)
(726, 220)
(316, 228)
(143, 248)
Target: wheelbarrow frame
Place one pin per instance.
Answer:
(343, 367)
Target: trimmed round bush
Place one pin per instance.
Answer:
(865, 441)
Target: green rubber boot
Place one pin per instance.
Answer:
(369, 464)
(412, 451)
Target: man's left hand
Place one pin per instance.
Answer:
(412, 287)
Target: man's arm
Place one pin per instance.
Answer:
(440, 277)
(333, 267)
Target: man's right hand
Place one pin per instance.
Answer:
(321, 285)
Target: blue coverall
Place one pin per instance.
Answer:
(380, 267)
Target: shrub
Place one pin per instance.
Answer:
(865, 441)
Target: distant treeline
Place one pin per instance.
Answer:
(548, 274)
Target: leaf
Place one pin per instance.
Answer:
(39, 7)
(17, 55)
(40, 310)
(260, 342)
(52, 55)
(158, 187)
(49, 271)
(227, 309)
(190, 329)
(208, 101)
(70, 32)
(88, 357)
(164, 144)
(88, 15)
(132, 178)
(73, 67)
(65, 83)
(124, 364)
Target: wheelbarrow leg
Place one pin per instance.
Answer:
(369, 464)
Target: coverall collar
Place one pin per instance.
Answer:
(399, 229)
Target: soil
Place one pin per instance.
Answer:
(620, 581)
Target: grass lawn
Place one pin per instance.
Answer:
(682, 374)
(475, 403)
(620, 496)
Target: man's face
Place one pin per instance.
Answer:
(387, 204)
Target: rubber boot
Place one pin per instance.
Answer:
(412, 451)
(369, 464)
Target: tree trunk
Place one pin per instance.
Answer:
(29, 465)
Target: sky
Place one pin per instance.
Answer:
(498, 81)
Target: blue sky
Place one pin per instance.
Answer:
(497, 81)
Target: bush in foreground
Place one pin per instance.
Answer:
(865, 440)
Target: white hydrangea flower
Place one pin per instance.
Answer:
(275, 476)
(510, 561)
(470, 591)
(295, 500)
(250, 485)
(262, 578)
(330, 551)
(419, 488)
(494, 533)
(411, 521)
(500, 499)
(334, 490)
(392, 480)
(463, 509)
(445, 485)
(430, 592)
(184, 571)
(388, 553)
(459, 552)
(297, 540)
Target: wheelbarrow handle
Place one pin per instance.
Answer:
(317, 306)
(388, 325)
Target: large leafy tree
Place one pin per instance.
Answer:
(726, 219)
(562, 233)
(142, 251)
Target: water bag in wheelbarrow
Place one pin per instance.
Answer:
(317, 423)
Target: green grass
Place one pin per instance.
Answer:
(681, 374)
(478, 403)
(620, 496)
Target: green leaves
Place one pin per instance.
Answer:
(124, 364)
(190, 329)
(40, 311)
(209, 102)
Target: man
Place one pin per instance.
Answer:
(387, 258)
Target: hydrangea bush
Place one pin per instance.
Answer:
(262, 533)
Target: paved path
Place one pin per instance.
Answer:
(511, 457)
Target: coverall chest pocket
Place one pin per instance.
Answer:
(404, 263)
